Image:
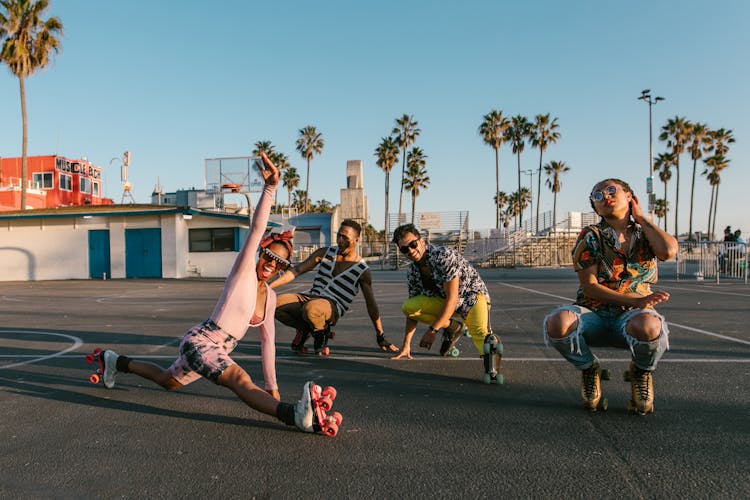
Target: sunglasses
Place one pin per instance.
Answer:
(272, 257)
(599, 195)
(409, 246)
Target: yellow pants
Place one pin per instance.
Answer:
(426, 309)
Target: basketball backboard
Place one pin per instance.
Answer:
(232, 175)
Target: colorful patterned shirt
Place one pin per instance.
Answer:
(624, 270)
(447, 264)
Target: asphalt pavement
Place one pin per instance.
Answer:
(425, 428)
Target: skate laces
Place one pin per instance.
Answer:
(641, 379)
(590, 377)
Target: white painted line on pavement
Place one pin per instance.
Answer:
(35, 359)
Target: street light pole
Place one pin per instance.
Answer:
(646, 97)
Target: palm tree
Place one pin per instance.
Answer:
(492, 131)
(663, 164)
(282, 163)
(700, 142)
(387, 156)
(554, 170)
(405, 133)
(309, 143)
(501, 199)
(290, 179)
(27, 44)
(721, 138)
(263, 146)
(661, 208)
(543, 133)
(299, 198)
(716, 164)
(516, 134)
(519, 200)
(416, 176)
(676, 134)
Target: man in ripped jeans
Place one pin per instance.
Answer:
(616, 262)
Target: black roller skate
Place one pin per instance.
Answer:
(451, 334)
(298, 344)
(321, 341)
(493, 353)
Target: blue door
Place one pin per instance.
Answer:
(143, 253)
(99, 263)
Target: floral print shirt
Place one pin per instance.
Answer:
(447, 264)
(624, 270)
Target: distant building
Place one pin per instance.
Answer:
(52, 181)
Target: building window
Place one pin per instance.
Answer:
(85, 185)
(42, 180)
(221, 239)
(66, 182)
(95, 189)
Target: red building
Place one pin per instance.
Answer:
(51, 181)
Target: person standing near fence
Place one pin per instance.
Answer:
(616, 263)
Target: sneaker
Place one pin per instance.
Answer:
(109, 358)
(304, 415)
(591, 387)
(641, 390)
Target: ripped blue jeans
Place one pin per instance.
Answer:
(607, 329)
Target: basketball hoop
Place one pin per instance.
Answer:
(232, 187)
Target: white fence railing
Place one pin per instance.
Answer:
(712, 261)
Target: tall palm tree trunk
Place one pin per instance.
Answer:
(385, 225)
(716, 205)
(677, 201)
(554, 212)
(307, 188)
(709, 230)
(692, 192)
(24, 143)
(497, 187)
(538, 191)
(520, 212)
(413, 206)
(401, 191)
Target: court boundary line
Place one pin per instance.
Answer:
(77, 342)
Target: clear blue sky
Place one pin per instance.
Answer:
(178, 82)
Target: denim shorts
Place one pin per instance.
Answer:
(607, 329)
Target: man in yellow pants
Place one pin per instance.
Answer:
(445, 292)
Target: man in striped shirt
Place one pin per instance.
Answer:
(341, 274)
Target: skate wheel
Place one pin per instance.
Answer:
(453, 353)
(486, 348)
(89, 358)
(337, 417)
(94, 378)
(487, 379)
(325, 403)
(326, 351)
(96, 351)
(329, 392)
(500, 380)
(605, 375)
(466, 332)
(331, 430)
(499, 349)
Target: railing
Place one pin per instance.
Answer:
(712, 260)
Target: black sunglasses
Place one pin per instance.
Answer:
(409, 246)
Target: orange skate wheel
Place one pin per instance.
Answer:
(337, 417)
(94, 378)
(326, 351)
(96, 351)
(325, 403)
(315, 389)
(331, 430)
(89, 358)
(329, 392)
